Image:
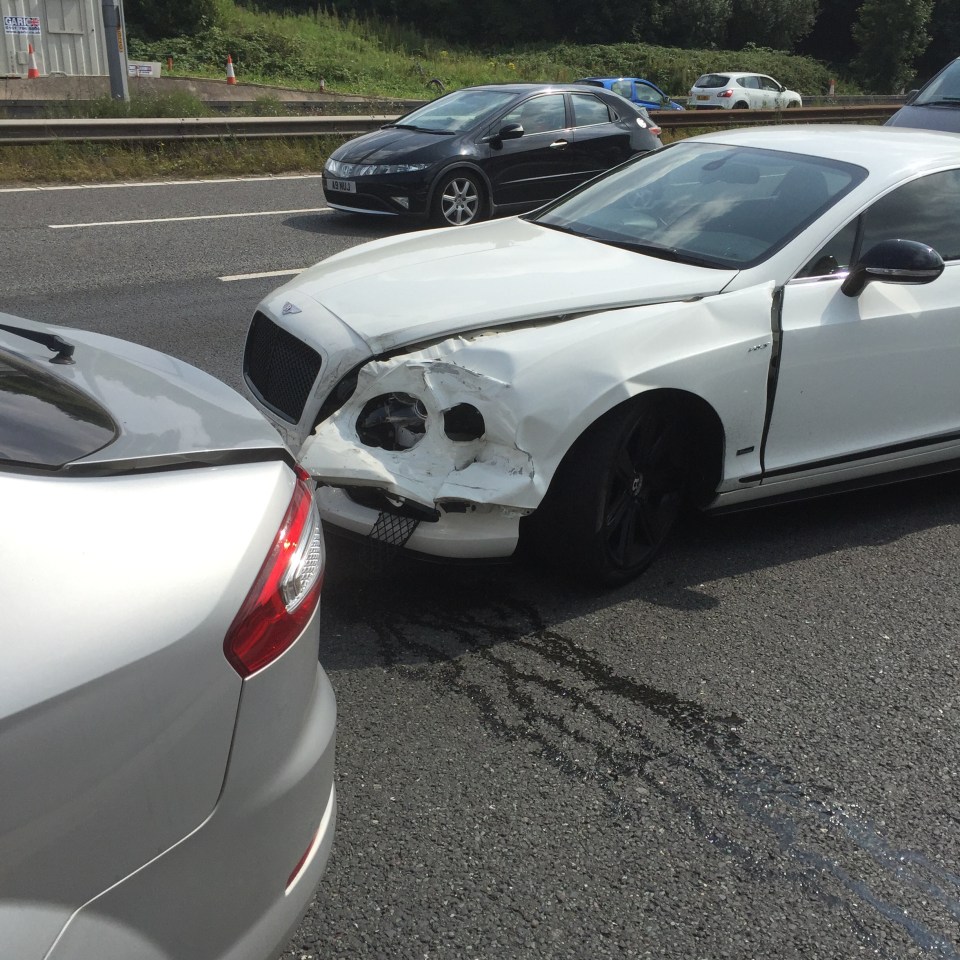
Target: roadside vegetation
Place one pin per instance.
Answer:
(349, 54)
(383, 58)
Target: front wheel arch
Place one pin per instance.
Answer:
(485, 210)
(554, 534)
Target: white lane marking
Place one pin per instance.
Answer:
(208, 216)
(260, 276)
(155, 183)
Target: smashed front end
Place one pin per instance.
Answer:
(415, 449)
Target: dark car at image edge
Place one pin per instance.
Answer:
(936, 105)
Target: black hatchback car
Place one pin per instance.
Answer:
(486, 150)
(936, 105)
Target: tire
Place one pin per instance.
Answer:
(457, 200)
(741, 105)
(617, 494)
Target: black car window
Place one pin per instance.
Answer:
(926, 209)
(539, 114)
(589, 110)
(44, 421)
(712, 80)
(943, 88)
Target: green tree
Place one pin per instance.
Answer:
(778, 24)
(945, 42)
(890, 36)
(172, 18)
(687, 23)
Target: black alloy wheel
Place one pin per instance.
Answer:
(617, 494)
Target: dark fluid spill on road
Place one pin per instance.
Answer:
(707, 749)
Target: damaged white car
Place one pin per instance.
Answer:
(740, 317)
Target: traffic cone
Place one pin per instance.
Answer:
(32, 72)
(231, 76)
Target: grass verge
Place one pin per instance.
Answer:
(113, 163)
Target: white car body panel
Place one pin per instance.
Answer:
(512, 465)
(545, 332)
(502, 271)
(761, 98)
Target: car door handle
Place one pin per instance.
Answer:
(559, 144)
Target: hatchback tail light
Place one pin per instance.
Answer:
(286, 591)
(655, 130)
(725, 93)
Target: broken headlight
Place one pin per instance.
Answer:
(393, 421)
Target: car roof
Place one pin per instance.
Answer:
(519, 88)
(614, 79)
(881, 150)
(735, 73)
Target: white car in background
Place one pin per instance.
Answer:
(166, 732)
(741, 91)
(737, 318)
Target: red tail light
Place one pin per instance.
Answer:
(655, 130)
(286, 591)
(725, 93)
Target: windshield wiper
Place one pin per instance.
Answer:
(639, 246)
(942, 102)
(663, 253)
(412, 126)
(62, 349)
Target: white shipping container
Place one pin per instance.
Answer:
(67, 38)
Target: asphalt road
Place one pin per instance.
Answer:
(751, 752)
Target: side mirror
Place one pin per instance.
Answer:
(894, 261)
(508, 132)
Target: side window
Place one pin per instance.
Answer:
(623, 87)
(588, 110)
(751, 83)
(835, 255)
(927, 209)
(767, 84)
(539, 114)
(646, 92)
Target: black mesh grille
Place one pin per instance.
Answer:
(279, 367)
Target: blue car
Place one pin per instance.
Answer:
(642, 92)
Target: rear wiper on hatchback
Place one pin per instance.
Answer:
(62, 349)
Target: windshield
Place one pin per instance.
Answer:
(704, 203)
(456, 111)
(944, 88)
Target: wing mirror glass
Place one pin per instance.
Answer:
(894, 261)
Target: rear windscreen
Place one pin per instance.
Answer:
(712, 80)
(44, 421)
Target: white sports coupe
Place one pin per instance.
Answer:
(737, 318)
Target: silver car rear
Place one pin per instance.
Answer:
(166, 732)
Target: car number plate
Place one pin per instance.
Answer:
(703, 96)
(344, 186)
